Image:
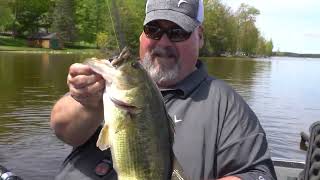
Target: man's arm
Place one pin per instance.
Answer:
(76, 116)
(230, 178)
(242, 144)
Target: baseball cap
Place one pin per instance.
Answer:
(188, 14)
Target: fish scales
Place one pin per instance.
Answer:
(137, 127)
(138, 152)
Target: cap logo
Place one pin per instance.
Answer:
(182, 1)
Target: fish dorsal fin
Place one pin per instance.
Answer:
(124, 55)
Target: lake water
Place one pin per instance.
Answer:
(284, 93)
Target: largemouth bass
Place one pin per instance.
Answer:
(136, 127)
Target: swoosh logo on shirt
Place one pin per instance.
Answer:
(176, 120)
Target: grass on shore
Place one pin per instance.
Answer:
(10, 41)
(20, 45)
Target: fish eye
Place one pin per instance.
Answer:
(135, 65)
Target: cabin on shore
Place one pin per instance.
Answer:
(6, 33)
(45, 40)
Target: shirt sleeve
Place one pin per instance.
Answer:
(242, 148)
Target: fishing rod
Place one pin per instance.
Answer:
(113, 27)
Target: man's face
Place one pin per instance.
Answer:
(170, 62)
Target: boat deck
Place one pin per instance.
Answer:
(288, 170)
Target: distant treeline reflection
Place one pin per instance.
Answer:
(290, 54)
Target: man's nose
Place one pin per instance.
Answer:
(164, 40)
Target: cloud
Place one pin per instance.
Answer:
(274, 6)
(293, 25)
(312, 35)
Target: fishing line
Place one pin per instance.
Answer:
(114, 30)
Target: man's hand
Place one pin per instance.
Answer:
(77, 116)
(230, 178)
(85, 86)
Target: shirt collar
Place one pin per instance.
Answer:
(186, 86)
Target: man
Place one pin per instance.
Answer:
(217, 135)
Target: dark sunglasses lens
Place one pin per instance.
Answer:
(152, 32)
(178, 34)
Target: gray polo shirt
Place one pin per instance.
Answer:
(216, 134)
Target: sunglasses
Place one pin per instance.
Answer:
(176, 34)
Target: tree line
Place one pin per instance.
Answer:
(114, 23)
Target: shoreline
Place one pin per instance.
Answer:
(15, 49)
(23, 49)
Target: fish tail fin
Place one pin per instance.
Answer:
(103, 140)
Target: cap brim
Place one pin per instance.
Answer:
(180, 19)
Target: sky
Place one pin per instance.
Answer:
(293, 25)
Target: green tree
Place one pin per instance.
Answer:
(248, 33)
(220, 25)
(247, 13)
(102, 16)
(261, 46)
(248, 38)
(86, 20)
(132, 14)
(102, 40)
(31, 15)
(113, 23)
(269, 47)
(64, 19)
(6, 17)
(214, 38)
(94, 18)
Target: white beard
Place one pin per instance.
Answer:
(161, 72)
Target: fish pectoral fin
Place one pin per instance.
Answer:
(103, 140)
(177, 171)
(176, 175)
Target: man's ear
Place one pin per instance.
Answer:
(140, 37)
(201, 34)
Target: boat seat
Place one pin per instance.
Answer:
(312, 167)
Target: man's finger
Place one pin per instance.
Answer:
(90, 95)
(79, 69)
(88, 91)
(79, 93)
(97, 87)
(81, 81)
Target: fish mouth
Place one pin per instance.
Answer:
(123, 105)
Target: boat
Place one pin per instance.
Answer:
(288, 169)
(308, 170)
(285, 169)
